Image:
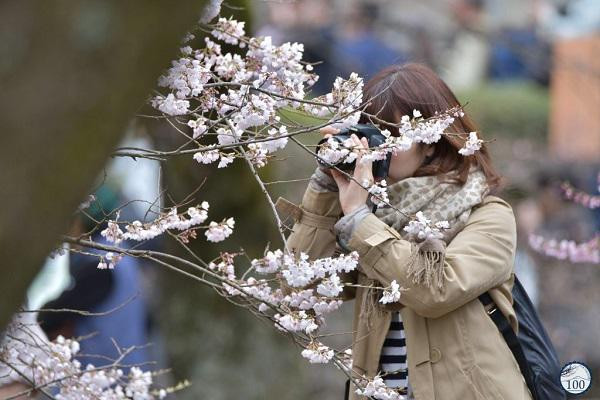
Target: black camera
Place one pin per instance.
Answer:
(374, 137)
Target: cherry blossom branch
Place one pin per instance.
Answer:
(580, 197)
(82, 312)
(280, 227)
(43, 364)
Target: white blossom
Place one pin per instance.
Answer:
(87, 202)
(227, 136)
(423, 229)
(229, 30)
(318, 353)
(211, 10)
(296, 322)
(324, 307)
(226, 159)
(263, 307)
(391, 294)
(139, 231)
(276, 144)
(113, 233)
(269, 263)
(333, 152)
(471, 145)
(257, 154)
(206, 157)
(379, 194)
(113, 259)
(331, 265)
(170, 105)
(198, 126)
(219, 232)
(52, 364)
(377, 389)
(330, 287)
(297, 272)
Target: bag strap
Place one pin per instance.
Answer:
(347, 391)
(511, 340)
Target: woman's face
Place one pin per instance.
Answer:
(405, 163)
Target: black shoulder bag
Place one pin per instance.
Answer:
(532, 347)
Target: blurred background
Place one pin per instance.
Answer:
(529, 73)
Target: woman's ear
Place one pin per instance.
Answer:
(429, 150)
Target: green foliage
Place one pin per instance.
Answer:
(513, 110)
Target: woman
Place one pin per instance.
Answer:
(438, 341)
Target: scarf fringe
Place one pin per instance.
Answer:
(426, 265)
(370, 303)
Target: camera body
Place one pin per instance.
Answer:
(374, 137)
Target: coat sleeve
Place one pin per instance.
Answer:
(480, 257)
(313, 232)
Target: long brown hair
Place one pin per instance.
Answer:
(397, 90)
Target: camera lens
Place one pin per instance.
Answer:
(332, 153)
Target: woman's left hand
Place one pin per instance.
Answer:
(352, 195)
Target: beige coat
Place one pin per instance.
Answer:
(454, 350)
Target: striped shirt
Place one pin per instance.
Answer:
(392, 361)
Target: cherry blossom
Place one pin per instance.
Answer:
(577, 196)
(170, 105)
(228, 106)
(295, 322)
(330, 287)
(219, 232)
(421, 228)
(318, 353)
(269, 264)
(587, 252)
(207, 157)
(229, 30)
(52, 367)
(379, 194)
(112, 258)
(410, 131)
(333, 152)
(391, 294)
(377, 389)
(139, 231)
(471, 145)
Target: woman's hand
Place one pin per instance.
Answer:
(352, 195)
(328, 131)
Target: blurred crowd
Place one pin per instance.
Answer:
(466, 41)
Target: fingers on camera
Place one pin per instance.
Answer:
(328, 131)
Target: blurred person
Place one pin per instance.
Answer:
(358, 47)
(519, 54)
(281, 18)
(419, 344)
(116, 293)
(465, 62)
(315, 31)
(520, 50)
(568, 19)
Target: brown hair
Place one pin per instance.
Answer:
(397, 90)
